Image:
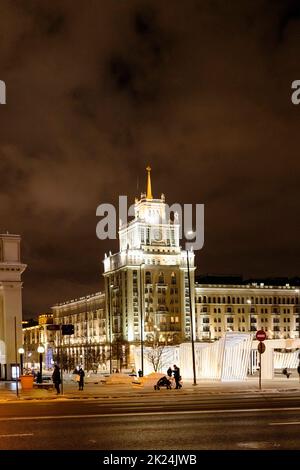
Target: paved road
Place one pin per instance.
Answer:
(164, 422)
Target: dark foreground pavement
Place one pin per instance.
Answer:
(179, 422)
(204, 388)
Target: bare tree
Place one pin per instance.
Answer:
(92, 357)
(156, 347)
(65, 361)
(154, 355)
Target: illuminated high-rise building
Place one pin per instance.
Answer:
(146, 282)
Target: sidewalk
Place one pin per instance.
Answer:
(103, 391)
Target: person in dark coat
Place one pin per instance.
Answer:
(39, 378)
(176, 373)
(169, 372)
(56, 378)
(81, 379)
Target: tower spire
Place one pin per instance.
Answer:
(149, 189)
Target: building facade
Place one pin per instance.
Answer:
(35, 336)
(146, 282)
(148, 296)
(246, 308)
(88, 346)
(11, 269)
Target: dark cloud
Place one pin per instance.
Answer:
(96, 90)
(137, 68)
(290, 13)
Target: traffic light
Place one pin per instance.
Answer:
(67, 329)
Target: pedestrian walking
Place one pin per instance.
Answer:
(169, 372)
(56, 379)
(81, 379)
(176, 373)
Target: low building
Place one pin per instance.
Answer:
(246, 307)
(35, 335)
(88, 345)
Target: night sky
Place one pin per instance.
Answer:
(96, 90)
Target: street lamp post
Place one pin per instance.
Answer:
(41, 350)
(142, 322)
(191, 316)
(21, 352)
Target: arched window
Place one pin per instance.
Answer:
(204, 299)
(219, 300)
(161, 279)
(173, 278)
(228, 300)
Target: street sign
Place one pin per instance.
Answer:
(53, 327)
(261, 347)
(67, 329)
(261, 335)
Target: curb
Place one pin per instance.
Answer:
(145, 395)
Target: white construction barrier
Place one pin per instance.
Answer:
(286, 359)
(226, 359)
